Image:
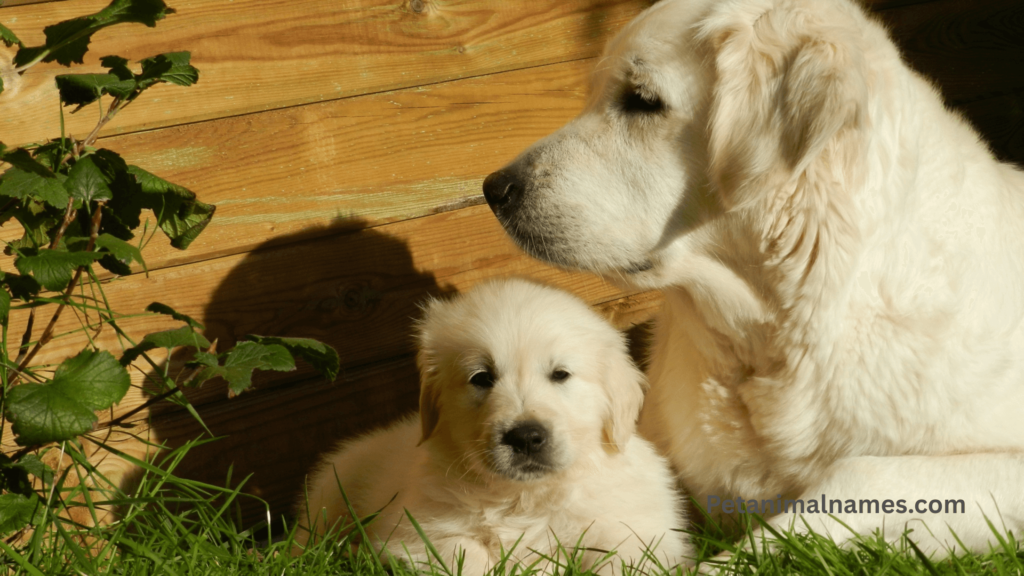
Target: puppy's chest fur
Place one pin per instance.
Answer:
(499, 518)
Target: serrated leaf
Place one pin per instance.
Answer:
(37, 220)
(166, 310)
(27, 177)
(243, 359)
(152, 184)
(68, 41)
(63, 408)
(121, 214)
(181, 217)
(321, 356)
(7, 37)
(13, 478)
(17, 511)
(118, 67)
(21, 287)
(184, 336)
(53, 268)
(123, 251)
(86, 182)
(51, 153)
(34, 466)
(83, 89)
(172, 67)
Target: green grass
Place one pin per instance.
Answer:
(175, 526)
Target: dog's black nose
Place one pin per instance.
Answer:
(528, 438)
(503, 188)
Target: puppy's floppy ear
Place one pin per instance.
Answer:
(624, 386)
(430, 393)
(789, 80)
(430, 370)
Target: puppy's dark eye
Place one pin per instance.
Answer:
(559, 376)
(635, 102)
(482, 379)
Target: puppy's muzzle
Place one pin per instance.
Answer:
(504, 190)
(528, 439)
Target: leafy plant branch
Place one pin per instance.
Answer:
(79, 206)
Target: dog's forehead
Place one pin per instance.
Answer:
(650, 47)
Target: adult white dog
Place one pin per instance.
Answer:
(524, 442)
(842, 262)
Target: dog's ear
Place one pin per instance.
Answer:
(430, 392)
(788, 84)
(429, 367)
(624, 385)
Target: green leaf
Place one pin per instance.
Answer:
(36, 467)
(17, 511)
(5, 306)
(14, 475)
(14, 478)
(184, 336)
(171, 67)
(321, 356)
(84, 89)
(181, 217)
(121, 250)
(240, 362)
(166, 310)
(21, 287)
(63, 408)
(118, 67)
(7, 37)
(51, 153)
(68, 41)
(29, 177)
(53, 268)
(121, 214)
(38, 220)
(87, 182)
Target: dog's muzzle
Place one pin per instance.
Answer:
(504, 191)
(524, 451)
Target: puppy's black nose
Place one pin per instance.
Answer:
(527, 438)
(503, 188)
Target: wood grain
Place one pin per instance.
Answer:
(358, 162)
(358, 292)
(258, 55)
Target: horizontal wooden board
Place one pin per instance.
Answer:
(358, 291)
(359, 162)
(257, 55)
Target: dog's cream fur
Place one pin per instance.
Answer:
(598, 483)
(842, 261)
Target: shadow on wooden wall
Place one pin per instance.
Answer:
(358, 292)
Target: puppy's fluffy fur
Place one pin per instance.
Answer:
(842, 261)
(525, 434)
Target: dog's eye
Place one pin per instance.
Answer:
(559, 376)
(634, 102)
(482, 379)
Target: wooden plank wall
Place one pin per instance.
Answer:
(344, 144)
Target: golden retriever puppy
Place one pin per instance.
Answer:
(525, 441)
(842, 261)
